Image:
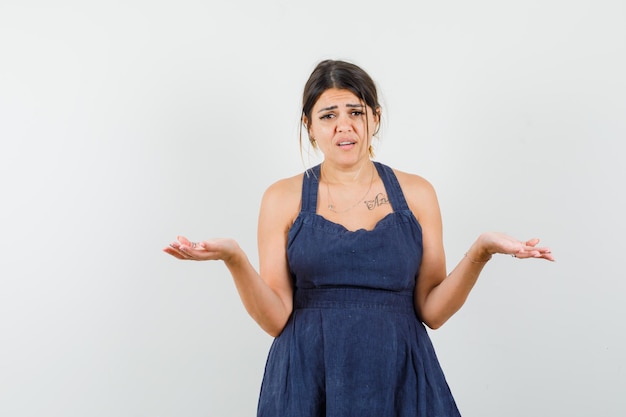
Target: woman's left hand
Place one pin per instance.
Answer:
(494, 242)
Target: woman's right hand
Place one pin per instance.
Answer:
(213, 249)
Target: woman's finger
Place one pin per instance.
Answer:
(174, 252)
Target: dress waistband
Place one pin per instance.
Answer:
(347, 297)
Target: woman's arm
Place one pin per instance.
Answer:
(268, 295)
(438, 295)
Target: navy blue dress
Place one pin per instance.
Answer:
(353, 345)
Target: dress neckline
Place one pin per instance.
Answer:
(310, 191)
(381, 222)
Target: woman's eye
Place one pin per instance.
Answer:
(327, 116)
(357, 113)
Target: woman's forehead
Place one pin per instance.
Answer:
(335, 96)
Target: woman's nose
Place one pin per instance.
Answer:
(344, 124)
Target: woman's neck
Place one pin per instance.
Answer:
(335, 174)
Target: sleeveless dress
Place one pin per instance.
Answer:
(354, 346)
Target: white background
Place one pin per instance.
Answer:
(126, 123)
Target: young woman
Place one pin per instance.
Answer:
(352, 266)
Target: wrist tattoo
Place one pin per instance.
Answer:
(379, 200)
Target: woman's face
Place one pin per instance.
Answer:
(340, 127)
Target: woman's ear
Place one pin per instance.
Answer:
(305, 123)
(377, 119)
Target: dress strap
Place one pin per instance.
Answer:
(394, 192)
(310, 185)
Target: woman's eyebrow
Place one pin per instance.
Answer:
(333, 107)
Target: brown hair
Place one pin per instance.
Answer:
(341, 75)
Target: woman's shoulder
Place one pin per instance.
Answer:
(412, 182)
(282, 198)
(419, 194)
(285, 187)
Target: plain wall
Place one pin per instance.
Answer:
(125, 124)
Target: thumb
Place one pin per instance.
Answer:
(532, 242)
(183, 240)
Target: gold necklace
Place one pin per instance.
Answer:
(331, 206)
